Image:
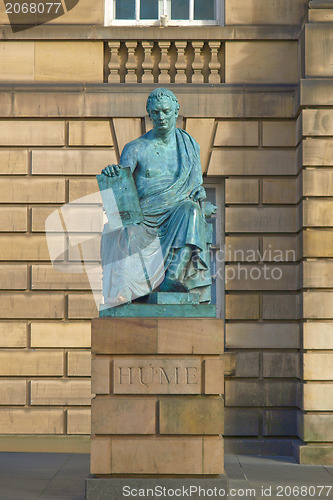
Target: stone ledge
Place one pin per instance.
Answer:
(105, 100)
(91, 32)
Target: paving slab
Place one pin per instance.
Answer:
(60, 476)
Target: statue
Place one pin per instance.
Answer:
(171, 239)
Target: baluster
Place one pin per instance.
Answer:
(197, 65)
(181, 65)
(131, 64)
(215, 65)
(114, 64)
(148, 62)
(164, 64)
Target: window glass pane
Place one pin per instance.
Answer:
(125, 9)
(211, 195)
(180, 9)
(204, 10)
(149, 9)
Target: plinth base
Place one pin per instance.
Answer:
(116, 488)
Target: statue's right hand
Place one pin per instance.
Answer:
(111, 170)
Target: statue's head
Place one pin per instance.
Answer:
(162, 107)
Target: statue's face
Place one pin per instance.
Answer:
(163, 114)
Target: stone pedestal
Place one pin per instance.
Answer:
(158, 409)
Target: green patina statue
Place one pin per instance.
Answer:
(167, 251)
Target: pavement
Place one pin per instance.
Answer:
(61, 476)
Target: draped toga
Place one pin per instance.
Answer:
(172, 220)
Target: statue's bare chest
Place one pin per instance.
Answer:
(158, 160)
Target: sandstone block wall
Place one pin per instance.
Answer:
(60, 125)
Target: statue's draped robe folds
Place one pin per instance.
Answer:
(171, 221)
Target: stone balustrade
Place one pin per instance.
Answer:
(166, 61)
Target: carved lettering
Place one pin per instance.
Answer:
(157, 376)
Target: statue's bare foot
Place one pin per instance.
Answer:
(169, 285)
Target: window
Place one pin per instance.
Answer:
(215, 194)
(150, 12)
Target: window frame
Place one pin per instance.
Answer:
(164, 7)
(218, 185)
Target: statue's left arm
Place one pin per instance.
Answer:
(198, 193)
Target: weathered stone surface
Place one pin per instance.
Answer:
(126, 130)
(17, 61)
(13, 161)
(79, 421)
(79, 364)
(157, 376)
(202, 129)
(281, 306)
(68, 61)
(100, 461)
(242, 306)
(317, 396)
(252, 162)
(281, 248)
(241, 191)
(318, 50)
(237, 133)
(264, 12)
(28, 305)
(101, 375)
(31, 363)
(318, 243)
(60, 392)
(82, 306)
(317, 213)
(90, 133)
(315, 454)
(45, 277)
(316, 427)
(317, 366)
(262, 277)
(32, 190)
(29, 247)
(83, 187)
(181, 455)
(286, 365)
(80, 219)
(263, 335)
(13, 392)
(241, 248)
(317, 335)
(213, 376)
(316, 92)
(31, 421)
(318, 274)
(260, 393)
(279, 423)
(13, 334)
(28, 133)
(280, 191)
(318, 304)
(279, 133)
(71, 161)
(241, 422)
(318, 152)
(13, 277)
(317, 182)
(317, 122)
(191, 416)
(263, 219)
(190, 336)
(157, 336)
(60, 334)
(13, 219)
(247, 364)
(261, 62)
(123, 415)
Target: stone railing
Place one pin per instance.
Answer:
(166, 61)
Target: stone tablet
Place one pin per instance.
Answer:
(157, 376)
(120, 198)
